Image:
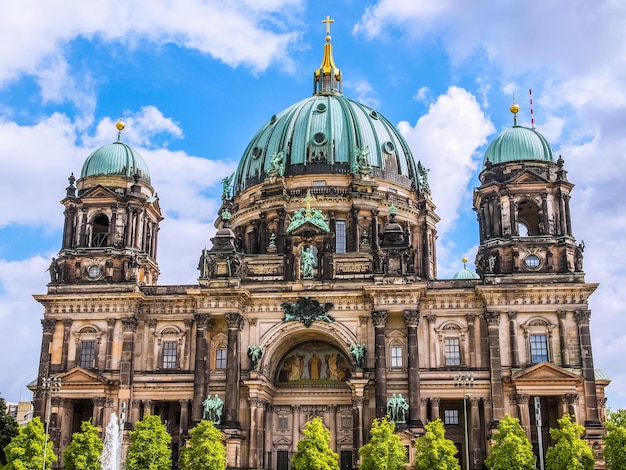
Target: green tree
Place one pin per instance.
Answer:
(149, 447)
(205, 449)
(314, 452)
(385, 450)
(615, 440)
(25, 452)
(8, 429)
(84, 451)
(512, 450)
(570, 451)
(433, 451)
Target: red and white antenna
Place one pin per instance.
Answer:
(532, 111)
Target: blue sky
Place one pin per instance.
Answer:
(194, 80)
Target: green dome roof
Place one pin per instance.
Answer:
(324, 134)
(116, 159)
(518, 144)
(465, 274)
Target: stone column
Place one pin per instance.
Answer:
(263, 236)
(331, 412)
(204, 323)
(476, 452)
(424, 407)
(495, 365)
(98, 406)
(434, 408)
(67, 326)
(256, 432)
(374, 228)
(83, 228)
(513, 339)
(562, 314)
(432, 356)
(545, 217)
(471, 333)
(295, 431)
(487, 416)
(148, 407)
(571, 400)
(411, 320)
(280, 236)
(379, 319)
(129, 325)
(233, 371)
(568, 219)
(135, 408)
(588, 373)
(184, 420)
(150, 359)
(523, 412)
(359, 429)
(68, 227)
(109, 347)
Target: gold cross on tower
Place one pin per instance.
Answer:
(328, 21)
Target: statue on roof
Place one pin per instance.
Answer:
(226, 186)
(361, 165)
(422, 178)
(277, 162)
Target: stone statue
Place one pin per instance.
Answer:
(255, 353)
(578, 257)
(213, 408)
(307, 263)
(56, 273)
(226, 186)
(397, 407)
(203, 263)
(277, 163)
(358, 351)
(361, 165)
(422, 177)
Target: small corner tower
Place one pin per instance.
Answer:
(112, 219)
(523, 207)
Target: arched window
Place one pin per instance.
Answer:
(538, 336)
(100, 231)
(452, 344)
(169, 341)
(87, 347)
(528, 218)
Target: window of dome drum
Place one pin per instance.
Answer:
(532, 261)
(319, 138)
(389, 147)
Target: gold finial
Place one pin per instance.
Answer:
(464, 259)
(328, 21)
(120, 127)
(514, 109)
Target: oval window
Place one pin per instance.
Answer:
(532, 261)
(319, 138)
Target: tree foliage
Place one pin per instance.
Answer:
(512, 450)
(570, 451)
(25, 452)
(385, 450)
(84, 451)
(314, 452)
(8, 429)
(615, 440)
(149, 447)
(433, 451)
(205, 449)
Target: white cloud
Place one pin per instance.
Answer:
(365, 93)
(446, 140)
(39, 31)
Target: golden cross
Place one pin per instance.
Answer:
(328, 21)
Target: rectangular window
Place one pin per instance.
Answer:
(396, 356)
(538, 348)
(87, 354)
(340, 236)
(450, 416)
(169, 355)
(220, 359)
(319, 183)
(452, 351)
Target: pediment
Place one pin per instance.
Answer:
(282, 440)
(78, 376)
(527, 176)
(98, 191)
(544, 372)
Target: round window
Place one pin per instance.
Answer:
(319, 138)
(94, 271)
(321, 107)
(388, 147)
(532, 261)
(374, 114)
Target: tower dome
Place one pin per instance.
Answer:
(465, 273)
(518, 143)
(117, 159)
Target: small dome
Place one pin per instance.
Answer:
(518, 144)
(465, 273)
(116, 159)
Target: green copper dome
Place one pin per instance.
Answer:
(465, 274)
(327, 133)
(518, 144)
(116, 159)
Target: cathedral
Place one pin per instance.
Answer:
(318, 296)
